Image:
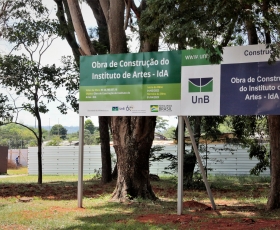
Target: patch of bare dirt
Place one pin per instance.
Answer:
(49, 191)
(199, 219)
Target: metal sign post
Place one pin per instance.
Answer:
(180, 143)
(81, 163)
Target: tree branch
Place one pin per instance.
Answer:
(80, 28)
(127, 16)
(67, 27)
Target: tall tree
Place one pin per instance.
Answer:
(132, 136)
(28, 77)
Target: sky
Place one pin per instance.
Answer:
(53, 54)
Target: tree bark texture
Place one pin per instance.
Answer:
(251, 27)
(274, 193)
(133, 137)
(114, 14)
(80, 28)
(106, 176)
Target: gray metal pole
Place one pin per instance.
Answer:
(180, 144)
(200, 163)
(81, 163)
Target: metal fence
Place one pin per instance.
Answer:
(58, 160)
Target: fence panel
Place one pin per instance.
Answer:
(58, 160)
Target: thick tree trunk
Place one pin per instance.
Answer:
(274, 193)
(105, 150)
(133, 137)
(114, 14)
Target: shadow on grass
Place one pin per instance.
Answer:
(131, 216)
(121, 222)
(124, 216)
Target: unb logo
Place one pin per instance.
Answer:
(200, 85)
(154, 108)
(115, 108)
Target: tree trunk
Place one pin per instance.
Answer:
(251, 27)
(114, 14)
(40, 170)
(39, 139)
(133, 137)
(106, 176)
(274, 193)
(265, 9)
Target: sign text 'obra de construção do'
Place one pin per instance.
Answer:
(180, 83)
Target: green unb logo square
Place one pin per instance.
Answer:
(154, 108)
(115, 108)
(200, 84)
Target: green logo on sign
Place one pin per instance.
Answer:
(200, 85)
(115, 108)
(154, 108)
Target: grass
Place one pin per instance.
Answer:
(54, 204)
(18, 171)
